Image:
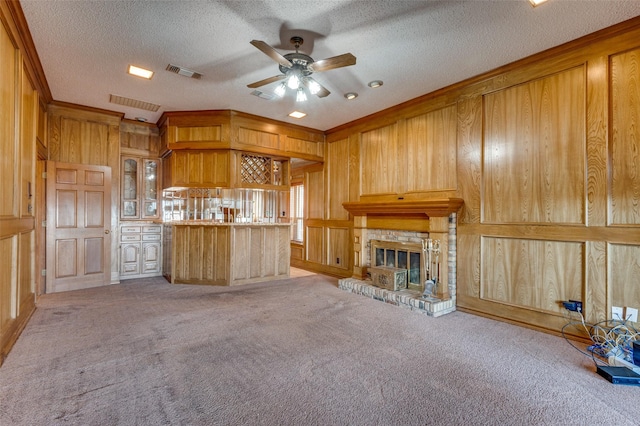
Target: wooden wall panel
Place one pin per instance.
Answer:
(595, 294)
(198, 134)
(469, 167)
(314, 239)
(624, 275)
(314, 193)
(215, 253)
(339, 247)
(28, 124)
(139, 138)
(26, 263)
(8, 144)
(83, 142)
(283, 261)
(625, 141)
(380, 161)
(300, 146)
(337, 179)
(8, 281)
(597, 114)
(18, 121)
(42, 124)
(431, 150)
(534, 152)
(258, 138)
(531, 274)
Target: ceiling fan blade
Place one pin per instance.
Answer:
(323, 90)
(335, 62)
(266, 81)
(272, 53)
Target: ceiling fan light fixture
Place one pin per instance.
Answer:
(301, 96)
(280, 90)
(293, 80)
(351, 95)
(375, 84)
(314, 87)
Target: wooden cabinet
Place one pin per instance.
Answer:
(140, 251)
(140, 188)
(197, 169)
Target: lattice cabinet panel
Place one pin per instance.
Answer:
(255, 169)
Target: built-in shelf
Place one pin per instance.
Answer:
(436, 207)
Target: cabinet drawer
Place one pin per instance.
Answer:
(152, 229)
(150, 237)
(130, 237)
(130, 229)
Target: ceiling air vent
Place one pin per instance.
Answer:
(183, 71)
(262, 95)
(133, 103)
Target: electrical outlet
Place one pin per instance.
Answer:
(631, 314)
(617, 313)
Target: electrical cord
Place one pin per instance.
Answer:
(608, 337)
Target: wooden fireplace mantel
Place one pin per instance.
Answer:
(436, 207)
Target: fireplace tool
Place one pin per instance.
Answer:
(431, 254)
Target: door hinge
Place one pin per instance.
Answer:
(44, 175)
(43, 272)
(44, 223)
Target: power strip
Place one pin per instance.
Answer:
(619, 362)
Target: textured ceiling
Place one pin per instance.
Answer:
(415, 47)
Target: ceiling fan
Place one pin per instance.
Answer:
(296, 69)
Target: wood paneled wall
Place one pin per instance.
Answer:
(545, 153)
(20, 106)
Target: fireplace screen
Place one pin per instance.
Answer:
(401, 255)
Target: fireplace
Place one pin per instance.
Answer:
(387, 251)
(400, 255)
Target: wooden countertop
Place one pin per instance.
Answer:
(211, 223)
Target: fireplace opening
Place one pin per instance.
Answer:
(400, 255)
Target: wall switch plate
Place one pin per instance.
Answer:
(631, 314)
(617, 313)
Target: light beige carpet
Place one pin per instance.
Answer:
(292, 352)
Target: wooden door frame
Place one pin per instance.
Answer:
(41, 232)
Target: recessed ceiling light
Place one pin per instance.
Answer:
(375, 83)
(140, 72)
(350, 95)
(297, 114)
(535, 3)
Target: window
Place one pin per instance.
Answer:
(297, 213)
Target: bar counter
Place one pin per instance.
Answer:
(227, 253)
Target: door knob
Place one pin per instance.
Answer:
(106, 231)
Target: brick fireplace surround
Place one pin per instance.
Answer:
(440, 218)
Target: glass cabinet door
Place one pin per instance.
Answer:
(140, 182)
(150, 189)
(129, 208)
